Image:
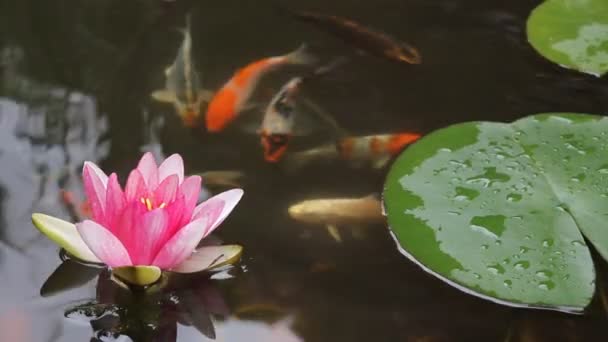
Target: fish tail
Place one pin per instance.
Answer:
(327, 68)
(398, 142)
(301, 55)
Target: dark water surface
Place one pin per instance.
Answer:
(76, 78)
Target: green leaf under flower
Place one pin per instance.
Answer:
(502, 211)
(210, 257)
(65, 235)
(138, 275)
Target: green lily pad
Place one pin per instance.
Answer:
(65, 235)
(502, 210)
(138, 275)
(210, 257)
(572, 33)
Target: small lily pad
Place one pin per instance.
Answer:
(138, 275)
(65, 235)
(572, 33)
(502, 211)
(209, 258)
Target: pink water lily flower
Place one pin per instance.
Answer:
(153, 224)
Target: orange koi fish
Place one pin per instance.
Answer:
(374, 150)
(232, 97)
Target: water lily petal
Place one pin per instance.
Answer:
(65, 235)
(174, 165)
(135, 187)
(229, 198)
(166, 190)
(103, 244)
(115, 202)
(95, 183)
(100, 174)
(149, 170)
(191, 188)
(181, 245)
(138, 275)
(126, 225)
(175, 212)
(210, 257)
(147, 238)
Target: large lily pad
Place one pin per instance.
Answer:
(500, 210)
(572, 33)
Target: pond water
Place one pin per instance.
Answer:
(76, 78)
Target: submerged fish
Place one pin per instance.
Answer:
(280, 117)
(278, 122)
(335, 212)
(222, 178)
(232, 98)
(182, 85)
(374, 150)
(364, 38)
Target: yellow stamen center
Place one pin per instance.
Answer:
(150, 205)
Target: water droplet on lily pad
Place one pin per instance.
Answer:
(521, 265)
(496, 269)
(546, 285)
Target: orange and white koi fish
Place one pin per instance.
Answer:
(278, 122)
(232, 98)
(183, 85)
(374, 150)
(335, 212)
(280, 116)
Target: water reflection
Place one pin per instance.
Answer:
(177, 303)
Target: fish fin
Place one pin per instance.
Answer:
(381, 162)
(327, 68)
(302, 55)
(205, 95)
(325, 117)
(334, 232)
(164, 96)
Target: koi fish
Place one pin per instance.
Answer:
(374, 150)
(232, 98)
(278, 121)
(280, 116)
(183, 85)
(222, 178)
(364, 38)
(335, 212)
